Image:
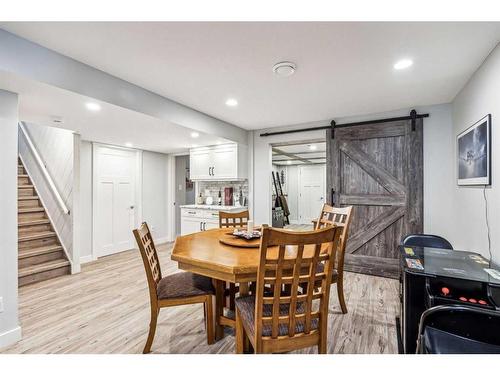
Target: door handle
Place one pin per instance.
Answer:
(204, 226)
(213, 171)
(131, 207)
(332, 197)
(200, 226)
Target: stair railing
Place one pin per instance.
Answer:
(44, 170)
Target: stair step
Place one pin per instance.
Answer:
(29, 223)
(25, 186)
(22, 175)
(36, 236)
(30, 209)
(39, 251)
(38, 268)
(27, 198)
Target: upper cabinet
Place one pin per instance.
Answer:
(221, 162)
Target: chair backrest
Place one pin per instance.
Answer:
(341, 217)
(288, 261)
(233, 219)
(426, 240)
(149, 257)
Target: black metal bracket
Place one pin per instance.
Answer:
(332, 124)
(413, 115)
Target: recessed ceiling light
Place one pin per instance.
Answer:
(129, 144)
(231, 102)
(94, 107)
(289, 162)
(313, 147)
(284, 68)
(403, 64)
(195, 135)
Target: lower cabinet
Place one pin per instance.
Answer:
(197, 220)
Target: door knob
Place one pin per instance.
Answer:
(131, 207)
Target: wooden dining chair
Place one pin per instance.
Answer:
(279, 321)
(177, 289)
(341, 217)
(233, 219)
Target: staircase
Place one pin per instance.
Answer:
(41, 256)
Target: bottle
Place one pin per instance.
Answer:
(219, 199)
(200, 200)
(241, 196)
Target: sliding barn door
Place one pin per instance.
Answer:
(377, 169)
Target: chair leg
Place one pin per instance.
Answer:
(240, 334)
(209, 320)
(323, 334)
(152, 330)
(340, 292)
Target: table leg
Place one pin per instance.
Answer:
(244, 289)
(219, 308)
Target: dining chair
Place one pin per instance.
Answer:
(341, 217)
(279, 321)
(182, 288)
(233, 219)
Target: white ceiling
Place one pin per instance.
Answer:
(344, 69)
(296, 152)
(41, 104)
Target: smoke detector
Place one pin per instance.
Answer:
(284, 68)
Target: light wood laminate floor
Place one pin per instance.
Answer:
(105, 309)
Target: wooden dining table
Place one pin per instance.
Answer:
(203, 253)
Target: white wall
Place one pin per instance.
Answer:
(10, 331)
(438, 165)
(85, 201)
(154, 194)
(479, 97)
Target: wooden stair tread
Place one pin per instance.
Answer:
(22, 175)
(25, 186)
(36, 236)
(48, 266)
(26, 253)
(32, 222)
(27, 198)
(30, 209)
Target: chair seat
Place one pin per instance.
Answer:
(246, 307)
(184, 284)
(441, 342)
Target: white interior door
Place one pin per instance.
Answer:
(311, 192)
(115, 208)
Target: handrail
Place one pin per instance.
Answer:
(45, 172)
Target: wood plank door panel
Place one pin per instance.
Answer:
(377, 168)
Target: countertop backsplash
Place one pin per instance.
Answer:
(215, 186)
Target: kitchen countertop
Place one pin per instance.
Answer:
(214, 207)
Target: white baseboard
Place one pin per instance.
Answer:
(10, 337)
(86, 259)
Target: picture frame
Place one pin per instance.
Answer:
(474, 154)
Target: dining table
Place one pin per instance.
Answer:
(208, 253)
(217, 254)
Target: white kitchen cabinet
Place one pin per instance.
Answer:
(221, 162)
(195, 219)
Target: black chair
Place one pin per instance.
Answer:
(426, 240)
(459, 329)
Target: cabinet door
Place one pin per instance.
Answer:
(190, 225)
(211, 224)
(225, 161)
(200, 162)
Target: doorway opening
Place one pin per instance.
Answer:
(299, 183)
(184, 188)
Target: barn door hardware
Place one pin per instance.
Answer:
(333, 125)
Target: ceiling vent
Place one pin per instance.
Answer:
(284, 68)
